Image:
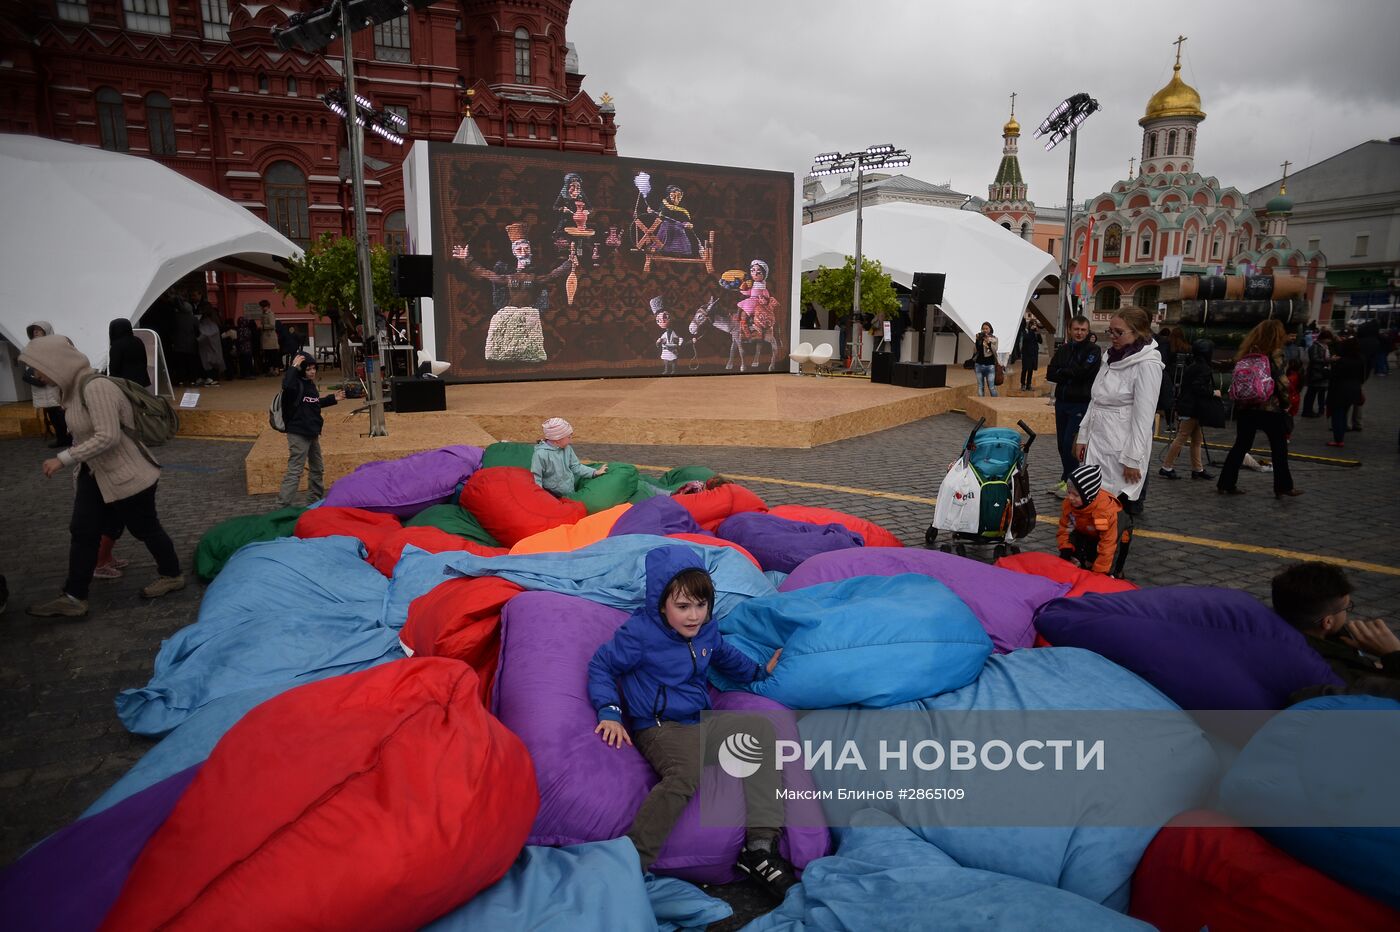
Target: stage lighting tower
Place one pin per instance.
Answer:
(1064, 122)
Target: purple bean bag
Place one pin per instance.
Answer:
(1003, 600)
(1205, 648)
(782, 544)
(660, 515)
(591, 792)
(406, 486)
(72, 878)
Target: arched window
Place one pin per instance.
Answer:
(1190, 142)
(291, 87)
(111, 119)
(1152, 145)
(522, 56)
(1145, 246)
(1006, 224)
(1108, 298)
(395, 232)
(284, 189)
(1146, 297)
(1025, 233)
(1171, 143)
(263, 86)
(160, 124)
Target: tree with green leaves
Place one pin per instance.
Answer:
(834, 289)
(327, 279)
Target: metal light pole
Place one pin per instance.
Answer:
(374, 373)
(1063, 123)
(860, 161)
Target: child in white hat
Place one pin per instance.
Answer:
(555, 465)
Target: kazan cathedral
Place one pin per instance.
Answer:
(1171, 209)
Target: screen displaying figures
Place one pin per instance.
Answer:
(561, 265)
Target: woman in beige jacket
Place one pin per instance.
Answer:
(116, 476)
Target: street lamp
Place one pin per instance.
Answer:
(1063, 122)
(312, 32)
(871, 158)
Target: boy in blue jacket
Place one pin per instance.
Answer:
(661, 656)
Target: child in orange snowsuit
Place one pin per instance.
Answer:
(1094, 530)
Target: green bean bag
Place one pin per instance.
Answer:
(454, 519)
(614, 487)
(675, 478)
(508, 454)
(226, 538)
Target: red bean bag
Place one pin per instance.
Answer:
(1202, 871)
(508, 503)
(875, 536)
(375, 800)
(1052, 567)
(385, 552)
(461, 619)
(329, 521)
(709, 541)
(710, 507)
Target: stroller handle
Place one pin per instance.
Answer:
(1030, 434)
(972, 437)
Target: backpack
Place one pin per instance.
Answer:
(154, 416)
(1252, 383)
(274, 415)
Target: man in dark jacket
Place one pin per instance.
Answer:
(1073, 369)
(1315, 598)
(126, 359)
(301, 413)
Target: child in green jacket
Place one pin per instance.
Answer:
(554, 464)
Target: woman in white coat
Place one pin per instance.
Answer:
(1116, 433)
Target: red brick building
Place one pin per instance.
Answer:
(200, 86)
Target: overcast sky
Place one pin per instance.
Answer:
(771, 83)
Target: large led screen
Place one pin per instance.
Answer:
(559, 265)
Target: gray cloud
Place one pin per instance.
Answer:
(770, 83)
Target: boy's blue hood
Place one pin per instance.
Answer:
(663, 565)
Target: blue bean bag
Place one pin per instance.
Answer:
(1331, 761)
(660, 516)
(781, 543)
(407, 485)
(1004, 601)
(883, 876)
(1064, 844)
(1206, 648)
(868, 641)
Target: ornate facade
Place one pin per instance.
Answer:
(1006, 202)
(1171, 209)
(200, 86)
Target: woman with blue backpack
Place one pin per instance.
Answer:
(1260, 394)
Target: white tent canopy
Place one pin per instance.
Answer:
(95, 235)
(992, 272)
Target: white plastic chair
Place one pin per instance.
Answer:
(821, 356)
(801, 355)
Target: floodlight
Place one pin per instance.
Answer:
(827, 157)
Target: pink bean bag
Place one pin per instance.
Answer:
(508, 503)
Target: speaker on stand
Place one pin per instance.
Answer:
(928, 289)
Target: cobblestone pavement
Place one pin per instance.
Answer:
(61, 745)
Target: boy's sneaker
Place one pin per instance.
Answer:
(164, 585)
(65, 606)
(769, 869)
(107, 571)
(1166, 473)
(1061, 489)
(1201, 474)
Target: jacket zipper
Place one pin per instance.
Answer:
(694, 662)
(659, 705)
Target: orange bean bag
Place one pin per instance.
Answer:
(710, 507)
(329, 521)
(387, 550)
(1052, 567)
(567, 537)
(461, 619)
(375, 800)
(1227, 878)
(508, 503)
(709, 541)
(875, 536)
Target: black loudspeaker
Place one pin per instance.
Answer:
(419, 395)
(412, 275)
(920, 375)
(928, 289)
(882, 368)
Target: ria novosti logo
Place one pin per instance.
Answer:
(740, 755)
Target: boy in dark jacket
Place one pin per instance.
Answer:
(1073, 369)
(1094, 530)
(661, 656)
(301, 412)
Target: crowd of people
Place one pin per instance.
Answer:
(204, 346)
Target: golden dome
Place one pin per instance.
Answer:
(1177, 99)
(1012, 128)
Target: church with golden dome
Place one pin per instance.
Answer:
(1169, 208)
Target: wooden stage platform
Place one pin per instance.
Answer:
(771, 410)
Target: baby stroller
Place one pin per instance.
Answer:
(985, 499)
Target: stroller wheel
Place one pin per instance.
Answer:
(961, 550)
(946, 548)
(930, 537)
(998, 551)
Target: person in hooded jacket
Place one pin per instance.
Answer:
(661, 656)
(1073, 369)
(126, 359)
(1116, 433)
(116, 475)
(302, 402)
(45, 396)
(1197, 389)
